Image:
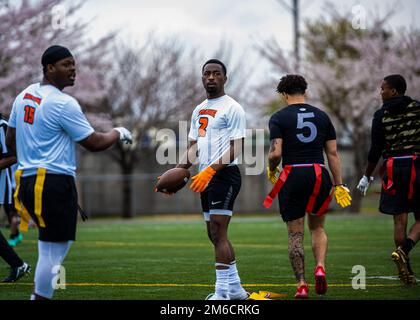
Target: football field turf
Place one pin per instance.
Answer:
(152, 258)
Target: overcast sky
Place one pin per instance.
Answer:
(204, 23)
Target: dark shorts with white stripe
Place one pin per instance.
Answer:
(59, 206)
(222, 190)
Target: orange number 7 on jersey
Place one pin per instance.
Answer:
(204, 122)
(29, 114)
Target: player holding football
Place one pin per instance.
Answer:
(44, 125)
(396, 137)
(299, 134)
(217, 130)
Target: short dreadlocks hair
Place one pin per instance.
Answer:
(292, 84)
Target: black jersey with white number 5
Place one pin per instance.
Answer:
(304, 130)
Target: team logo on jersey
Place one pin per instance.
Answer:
(210, 112)
(28, 96)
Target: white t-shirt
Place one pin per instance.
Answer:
(47, 122)
(214, 123)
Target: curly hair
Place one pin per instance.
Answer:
(292, 84)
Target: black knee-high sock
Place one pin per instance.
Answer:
(408, 245)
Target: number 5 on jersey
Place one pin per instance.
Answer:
(29, 114)
(301, 123)
(202, 130)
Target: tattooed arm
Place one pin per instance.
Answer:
(274, 155)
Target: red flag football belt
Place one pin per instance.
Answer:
(389, 172)
(282, 179)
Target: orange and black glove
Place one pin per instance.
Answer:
(201, 180)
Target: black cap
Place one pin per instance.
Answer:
(54, 54)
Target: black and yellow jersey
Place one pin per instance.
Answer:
(396, 129)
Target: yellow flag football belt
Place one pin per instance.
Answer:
(20, 208)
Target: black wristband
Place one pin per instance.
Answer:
(341, 184)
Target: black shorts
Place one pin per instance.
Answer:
(222, 191)
(59, 206)
(296, 191)
(399, 202)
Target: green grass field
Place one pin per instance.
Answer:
(172, 259)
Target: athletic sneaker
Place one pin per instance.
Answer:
(302, 292)
(239, 294)
(411, 277)
(215, 296)
(13, 242)
(320, 280)
(402, 262)
(17, 273)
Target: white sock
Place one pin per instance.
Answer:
(50, 255)
(234, 280)
(222, 281)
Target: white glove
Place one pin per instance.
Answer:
(125, 135)
(364, 184)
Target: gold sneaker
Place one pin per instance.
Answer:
(405, 273)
